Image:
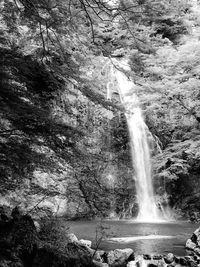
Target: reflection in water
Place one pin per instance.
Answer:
(130, 239)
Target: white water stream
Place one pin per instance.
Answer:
(138, 130)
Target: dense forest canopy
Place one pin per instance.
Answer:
(61, 137)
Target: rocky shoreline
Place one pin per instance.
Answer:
(22, 245)
(193, 243)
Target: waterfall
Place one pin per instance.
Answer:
(148, 210)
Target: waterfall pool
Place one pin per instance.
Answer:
(143, 238)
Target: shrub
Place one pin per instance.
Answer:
(54, 232)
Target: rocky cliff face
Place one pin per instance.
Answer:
(177, 173)
(61, 152)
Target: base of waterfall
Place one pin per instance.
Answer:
(161, 217)
(154, 219)
(162, 214)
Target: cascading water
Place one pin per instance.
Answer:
(148, 210)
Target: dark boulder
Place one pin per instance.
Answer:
(18, 239)
(169, 258)
(147, 257)
(193, 243)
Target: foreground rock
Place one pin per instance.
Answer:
(193, 243)
(168, 260)
(119, 257)
(87, 243)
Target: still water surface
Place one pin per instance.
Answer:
(143, 238)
